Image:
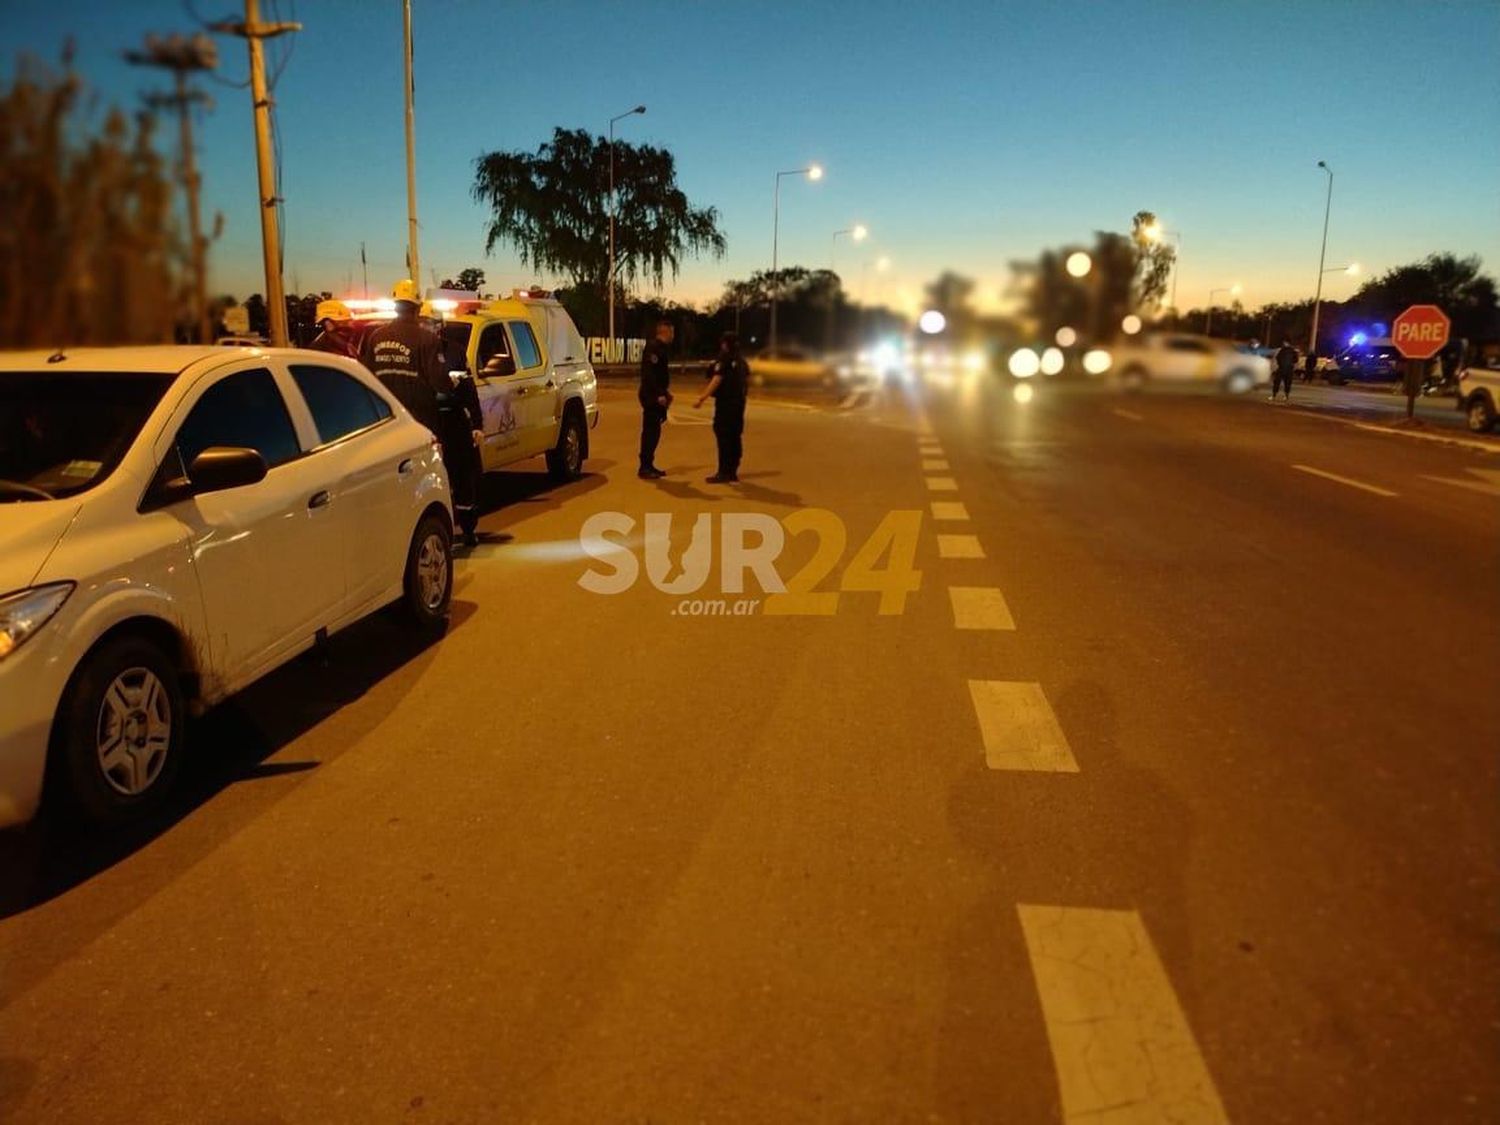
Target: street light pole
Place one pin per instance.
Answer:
(611, 279)
(413, 261)
(253, 31)
(1208, 327)
(1312, 342)
(857, 232)
(812, 172)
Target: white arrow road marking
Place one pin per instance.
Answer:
(1020, 731)
(1345, 480)
(979, 607)
(1488, 482)
(1122, 1047)
(959, 547)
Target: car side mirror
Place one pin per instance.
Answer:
(499, 366)
(221, 467)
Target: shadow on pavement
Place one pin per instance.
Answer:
(228, 746)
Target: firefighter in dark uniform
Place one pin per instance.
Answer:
(655, 395)
(728, 385)
(407, 358)
(331, 338)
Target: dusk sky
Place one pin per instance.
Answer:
(964, 135)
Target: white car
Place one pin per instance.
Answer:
(1182, 359)
(1479, 395)
(176, 522)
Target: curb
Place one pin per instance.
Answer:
(1477, 444)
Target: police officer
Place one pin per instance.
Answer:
(407, 358)
(1285, 366)
(728, 384)
(656, 395)
(331, 338)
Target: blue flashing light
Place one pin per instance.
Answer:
(1357, 339)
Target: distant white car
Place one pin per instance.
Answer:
(1179, 359)
(1479, 396)
(177, 522)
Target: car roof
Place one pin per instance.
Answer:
(162, 358)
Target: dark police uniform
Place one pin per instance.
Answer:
(656, 382)
(729, 411)
(407, 358)
(1286, 364)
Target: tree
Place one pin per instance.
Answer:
(1454, 284)
(1154, 260)
(470, 280)
(553, 207)
(88, 251)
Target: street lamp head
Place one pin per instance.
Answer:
(860, 232)
(815, 172)
(883, 264)
(1079, 264)
(1152, 231)
(1353, 269)
(1236, 289)
(639, 109)
(1322, 165)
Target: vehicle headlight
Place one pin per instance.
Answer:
(26, 611)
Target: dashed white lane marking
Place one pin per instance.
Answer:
(934, 465)
(1122, 1047)
(1345, 480)
(942, 484)
(959, 547)
(1020, 731)
(979, 607)
(1489, 482)
(1128, 415)
(949, 510)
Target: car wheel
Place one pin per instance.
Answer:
(118, 737)
(565, 462)
(428, 586)
(1133, 378)
(1481, 414)
(1239, 382)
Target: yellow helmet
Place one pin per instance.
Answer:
(332, 310)
(406, 290)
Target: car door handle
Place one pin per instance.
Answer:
(320, 499)
(549, 384)
(404, 469)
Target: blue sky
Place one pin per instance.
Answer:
(964, 134)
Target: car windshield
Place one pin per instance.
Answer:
(62, 432)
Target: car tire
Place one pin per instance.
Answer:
(118, 737)
(565, 460)
(427, 588)
(1133, 378)
(1239, 381)
(1480, 413)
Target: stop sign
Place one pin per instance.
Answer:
(1420, 332)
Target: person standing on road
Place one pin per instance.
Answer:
(331, 338)
(407, 357)
(728, 384)
(1285, 367)
(655, 395)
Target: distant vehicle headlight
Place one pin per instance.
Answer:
(26, 611)
(1097, 361)
(1024, 363)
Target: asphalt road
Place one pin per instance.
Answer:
(1182, 807)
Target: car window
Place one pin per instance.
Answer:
(527, 353)
(455, 337)
(340, 404)
(492, 344)
(1187, 346)
(62, 431)
(246, 410)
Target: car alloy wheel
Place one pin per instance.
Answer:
(1480, 417)
(572, 450)
(134, 731)
(432, 571)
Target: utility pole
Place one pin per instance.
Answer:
(182, 56)
(253, 32)
(413, 261)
